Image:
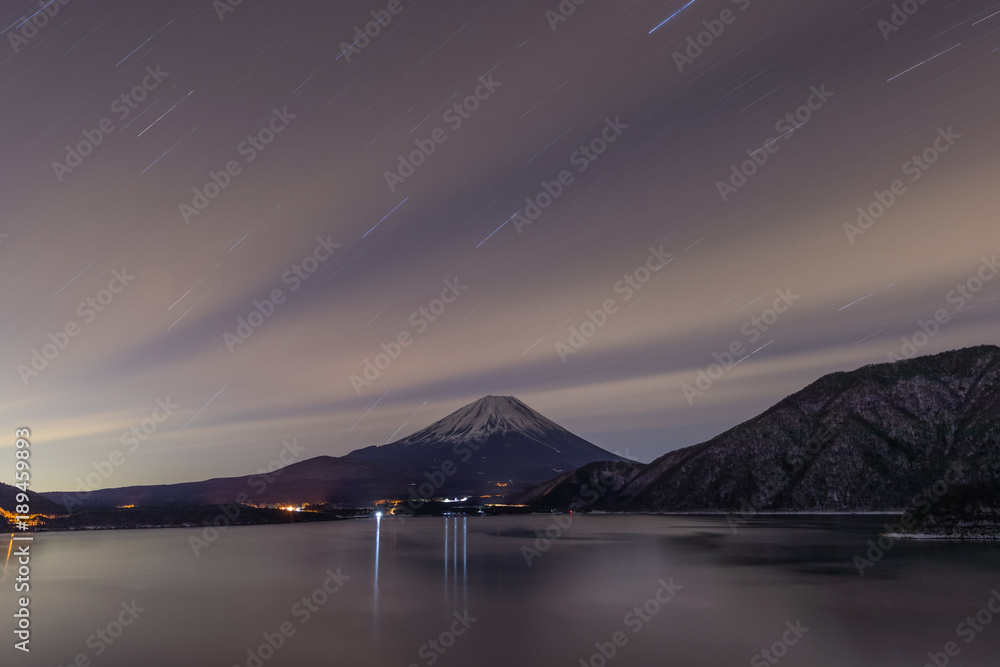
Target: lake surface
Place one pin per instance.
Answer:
(723, 597)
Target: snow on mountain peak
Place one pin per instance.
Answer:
(485, 417)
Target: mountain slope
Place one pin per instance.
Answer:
(38, 503)
(316, 480)
(492, 439)
(489, 441)
(870, 439)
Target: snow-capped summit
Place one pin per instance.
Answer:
(485, 417)
(493, 438)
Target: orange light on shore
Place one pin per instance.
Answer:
(33, 519)
(9, 548)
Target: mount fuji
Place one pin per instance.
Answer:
(496, 447)
(494, 439)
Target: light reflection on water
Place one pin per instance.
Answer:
(407, 580)
(456, 584)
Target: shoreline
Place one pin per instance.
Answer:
(196, 517)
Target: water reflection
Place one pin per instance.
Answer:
(739, 592)
(456, 580)
(378, 545)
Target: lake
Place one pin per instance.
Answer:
(607, 590)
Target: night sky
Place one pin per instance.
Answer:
(176, 162)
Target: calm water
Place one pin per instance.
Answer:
(403, 583)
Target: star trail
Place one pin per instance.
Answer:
(295, 185)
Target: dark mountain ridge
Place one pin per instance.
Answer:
(317, 480)
(873, 439)
(495, 446)
(38, 504)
